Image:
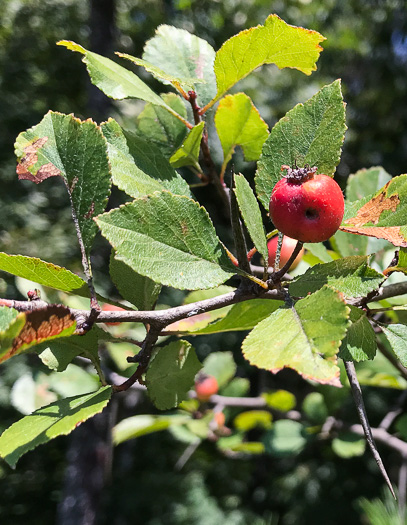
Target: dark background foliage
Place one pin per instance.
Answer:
(366, 47)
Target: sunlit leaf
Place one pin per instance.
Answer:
(251, 214)
(114, 80)
(351, 275)
(274, 43)
(138, 166)
(311, 133)
(383, 215)
(57, 419)
(136, 426)
(44, 273)
(20, 331)
(62, 145)
(239, 123)
(305, 337)
(180, 54)
(170, 239)
(360, 340)
(188, 153)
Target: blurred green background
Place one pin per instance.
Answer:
(366, 47)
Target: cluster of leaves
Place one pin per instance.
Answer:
(164, 237)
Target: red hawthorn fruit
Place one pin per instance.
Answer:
(287, 249)
(112, 308)
(305, 206)
(205, 387)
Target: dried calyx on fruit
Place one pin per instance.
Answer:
(306, 206)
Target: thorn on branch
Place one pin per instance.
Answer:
(360, 407)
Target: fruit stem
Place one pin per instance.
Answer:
(278, 251)
(280, 273)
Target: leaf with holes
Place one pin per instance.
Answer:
(273, 43)
(311, 133)
(49, 422)
(383, 215)
(170, 239)
(171, 373)
(138, 167)
(305, 337)
(62, 145)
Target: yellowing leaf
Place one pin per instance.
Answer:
(274, 43)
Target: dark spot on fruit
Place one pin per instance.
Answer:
(311, 214)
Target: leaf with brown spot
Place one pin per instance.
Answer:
(30, 159)
(31, 328)
(62, 145)
(382, 215)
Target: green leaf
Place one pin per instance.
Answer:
(351, 275)
(246, 421)
(136, 426)
(281, 400)
(182, 84)
(21, 331)
(396, 334)
(249, 208)
(360, 340)
(380, 373)
(401, 265)
(285, 438)
(44, 273)
(274, 43)
(138, 167)
(239, 123)
(114, 80)
(237, 387)
(171, 374)
(170, 239)
(249, 447)
(139, 290)
(348, 445)
(156, 125)
(62, 145)
(182, 55)
(366, 182)
(311, 133)
(347, 244)
(221, 366)
(57, 419)
(304, 337)
(383, 215)
(314, 408)
(188, 153)
(57, 354)
(242, 316)
(318, 250)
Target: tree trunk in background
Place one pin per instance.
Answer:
(89, 459)
(102, 35)
(89, 455)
